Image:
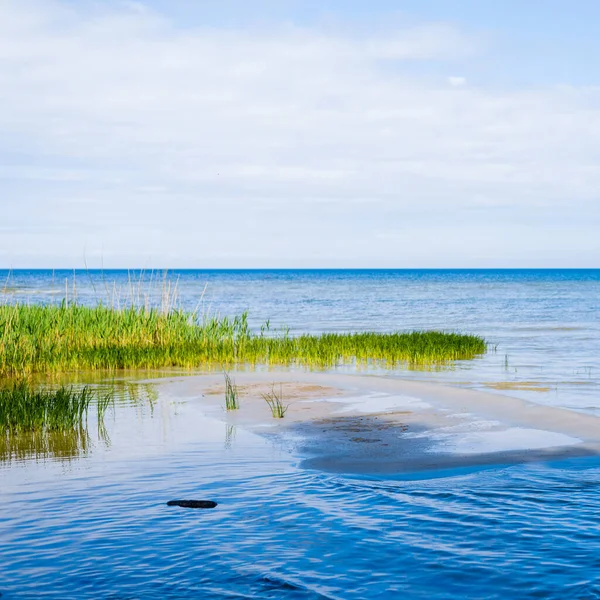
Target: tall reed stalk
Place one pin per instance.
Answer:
(232, 401)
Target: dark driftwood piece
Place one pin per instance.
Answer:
(192, 503)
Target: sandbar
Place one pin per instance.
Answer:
(373, 424)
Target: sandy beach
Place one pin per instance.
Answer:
(369, 424)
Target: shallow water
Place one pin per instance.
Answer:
(98, 526)
(92, 522)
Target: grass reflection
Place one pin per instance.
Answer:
(24, 439)
(42, 445)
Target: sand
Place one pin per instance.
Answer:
(371, 424)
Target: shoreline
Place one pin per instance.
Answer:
(367, 424)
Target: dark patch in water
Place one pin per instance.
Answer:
(331, 445)
(192, 503)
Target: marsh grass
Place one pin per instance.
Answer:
(24, 408)
(62, 338)
(232, 401)
(275, 402)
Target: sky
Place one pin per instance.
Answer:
(299, 133)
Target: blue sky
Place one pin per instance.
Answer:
(299, 133)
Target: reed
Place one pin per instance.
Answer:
(70, 337)
(275, 402)
(26, 409)
(231, 394)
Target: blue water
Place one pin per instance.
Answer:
(92, 522)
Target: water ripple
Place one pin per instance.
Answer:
(527, 531)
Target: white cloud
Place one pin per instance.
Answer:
(121, 131)
(457, 81)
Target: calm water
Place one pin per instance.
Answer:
(87, 519)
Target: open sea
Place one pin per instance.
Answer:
(87, 518)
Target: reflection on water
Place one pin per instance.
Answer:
(122, 379)
(78, 442)
(131, 392)
(229, 436)
(41, 445)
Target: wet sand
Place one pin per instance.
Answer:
(368, 424)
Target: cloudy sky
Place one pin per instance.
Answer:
(299, 133)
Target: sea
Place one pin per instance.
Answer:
(88, 518)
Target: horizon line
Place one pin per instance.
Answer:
(106, 269)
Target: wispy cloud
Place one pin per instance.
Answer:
(143, 138)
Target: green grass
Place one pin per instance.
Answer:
(232, 401)
(275, 402)
(27, 409)
(67, 338)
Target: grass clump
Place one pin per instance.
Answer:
(66, 338)
(232, 401)
(25, 409)
(275, 402)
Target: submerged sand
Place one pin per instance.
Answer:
(371, 424)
